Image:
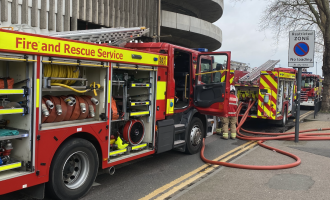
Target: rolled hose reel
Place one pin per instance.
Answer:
(133, 132)
(67, 108)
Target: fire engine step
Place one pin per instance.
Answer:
(10, 166)
(179, 128)
(179, 143)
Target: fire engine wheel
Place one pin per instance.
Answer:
(73, 170)
(285, 117)
(195, 136)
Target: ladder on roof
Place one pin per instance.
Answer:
(112, 36)
(250, 77)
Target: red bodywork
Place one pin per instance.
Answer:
(48, 141)
(308, 92)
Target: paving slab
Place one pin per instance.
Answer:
(309, 180)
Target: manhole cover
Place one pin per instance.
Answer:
(290, 182)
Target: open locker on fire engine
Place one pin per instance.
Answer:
(16, 99)
(132, 110)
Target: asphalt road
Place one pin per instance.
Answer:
(157, 174)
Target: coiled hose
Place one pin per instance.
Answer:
(278, 136)
(61, 71)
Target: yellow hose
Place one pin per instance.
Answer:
(71, 88)
(62, 71)
(94, 86)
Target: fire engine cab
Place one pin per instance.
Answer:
(311, 89)
(69, 108)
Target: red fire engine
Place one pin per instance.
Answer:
(311, 89)
(70, 108)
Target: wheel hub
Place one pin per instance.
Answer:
(195, 136)
(75, 170)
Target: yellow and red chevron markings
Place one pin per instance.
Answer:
(231, 76)
(270, 83)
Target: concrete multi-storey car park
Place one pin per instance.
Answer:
(186, 23)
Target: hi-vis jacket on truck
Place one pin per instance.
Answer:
(76, 107)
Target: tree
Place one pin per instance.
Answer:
(283, 16)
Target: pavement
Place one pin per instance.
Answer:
(309, 180)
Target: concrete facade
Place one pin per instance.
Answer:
(185, 22)
(46, 16)
(189, 23)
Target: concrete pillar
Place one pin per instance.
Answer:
(94, 12)
(112, 13)
(67, 15)
(89, 10)
(4, 10)
(51, 15)
(117, 13)
(106, 13)
(127, 14)
(59, 16)
(122, 13)
(140, 10)
(82, 10)
(135, 13)
(131, 13)
(43, 15)
(74, 18)
(143, 13)
(25, 12)
(34, 13)
(100, 12)
(148, 16)
(14, 12)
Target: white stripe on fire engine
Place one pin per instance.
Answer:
(232, 113)
(233, 104)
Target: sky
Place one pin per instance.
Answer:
(241, 35)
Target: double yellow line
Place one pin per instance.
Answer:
(303, 116)
(176, 185)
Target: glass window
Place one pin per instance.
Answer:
(212, 68)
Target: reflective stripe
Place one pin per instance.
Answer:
(232, 113)
(233, 104)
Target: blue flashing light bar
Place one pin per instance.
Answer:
(307, 72)
(201, 49)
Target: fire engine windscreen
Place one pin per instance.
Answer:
(307, 82)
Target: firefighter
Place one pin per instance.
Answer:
(231, 119)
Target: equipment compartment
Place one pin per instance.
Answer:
(132, 111)
(16, 105)
(73, 92)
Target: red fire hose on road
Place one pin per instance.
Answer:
(279, 136)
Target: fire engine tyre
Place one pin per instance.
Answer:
(194, 136)
(73, 170)
(285, 117)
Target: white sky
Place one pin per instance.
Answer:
(240, 35)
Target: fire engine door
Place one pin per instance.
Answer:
(210, 87)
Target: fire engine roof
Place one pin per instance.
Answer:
(288, 70)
